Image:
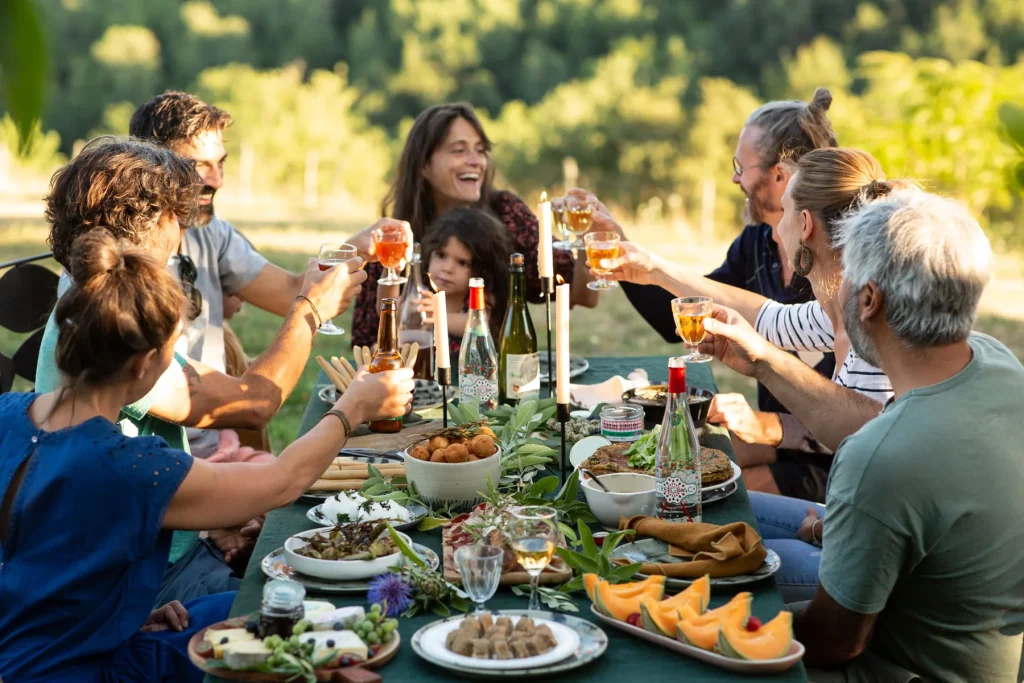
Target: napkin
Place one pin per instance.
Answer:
(608, 391)
(727, 550)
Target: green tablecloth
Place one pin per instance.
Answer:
(627, 658)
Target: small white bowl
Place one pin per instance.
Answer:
(630, 495)
(462, 483)
(337, 570)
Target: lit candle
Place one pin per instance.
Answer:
(562, 343)
(441, 332)
(545, 259)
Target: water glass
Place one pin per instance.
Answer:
(480, 569)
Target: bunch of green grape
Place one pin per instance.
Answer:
(376, 629)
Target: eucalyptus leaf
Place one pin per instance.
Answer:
(374, 472)
(404, 547)
(431, 523)
(575, 584)
(613, 539)
(440, 609)
(604, 566)
(624, 573)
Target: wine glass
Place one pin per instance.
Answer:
(558, 216)
(333, 254)
(533, 531)
(480, 569)
(391, 246)
(690, 313)
(579, 216)
(600, 246)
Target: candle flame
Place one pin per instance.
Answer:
(543, 196)
(559, 279)
(433, 287)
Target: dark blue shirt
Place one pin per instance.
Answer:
(753, 264)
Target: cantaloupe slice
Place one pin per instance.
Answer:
(697, 595)
(619, 602)
(701, 630)
(659, 617)
(771, 641)
(590, 582)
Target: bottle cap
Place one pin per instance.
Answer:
(283, 595)
(388, 304)
(677, 375)
(516, 260)
(476, 294)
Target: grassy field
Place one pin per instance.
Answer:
(612, 329)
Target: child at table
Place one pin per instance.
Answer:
(463, 243)
(86, 512)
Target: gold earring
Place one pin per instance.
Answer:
(803, 260)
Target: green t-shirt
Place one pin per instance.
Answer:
(926, 523)
(135, 418)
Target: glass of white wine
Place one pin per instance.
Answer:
(533, 533)
(480, 570)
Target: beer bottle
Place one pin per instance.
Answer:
(386, 357)
(518, 360)
(412, 324)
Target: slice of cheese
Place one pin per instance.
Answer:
(245, 653)
(233, 635)
(341, 642)
(337, 620)
(314, 607)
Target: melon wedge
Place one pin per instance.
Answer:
(619, 602)
(697, 596)
(659, 617)
(701, 630)
(771, 641)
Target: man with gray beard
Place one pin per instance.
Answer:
(921, 570)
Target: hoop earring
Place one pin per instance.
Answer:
(803, 260)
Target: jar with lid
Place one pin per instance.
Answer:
(282, 608)
(622, 422)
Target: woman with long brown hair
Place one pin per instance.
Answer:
(86, 512)
(447, 163)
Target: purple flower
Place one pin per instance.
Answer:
(392, 592)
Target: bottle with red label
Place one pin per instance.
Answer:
(478, 359)
(677, 460)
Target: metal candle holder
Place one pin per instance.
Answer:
(444, 378)
(563, 417)
(548, 285)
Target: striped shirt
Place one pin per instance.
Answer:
(805, 327)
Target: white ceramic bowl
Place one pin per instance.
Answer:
(337, 570)
(630, 494)
(461, 483)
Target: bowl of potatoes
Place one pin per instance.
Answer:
(453, 467)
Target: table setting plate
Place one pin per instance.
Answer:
(720, 493)
(432, 640)
(577, 365)
(275, 566)
(655, 551)
(590, 643)
(740, 666)
(315, 515)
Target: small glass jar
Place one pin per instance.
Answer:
(282, 608)
(622, 422)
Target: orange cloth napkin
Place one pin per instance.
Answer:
(728, 550)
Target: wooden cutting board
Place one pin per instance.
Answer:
(394, 442)
(558, 572)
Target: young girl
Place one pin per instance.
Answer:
(86, 512)
(463, 243)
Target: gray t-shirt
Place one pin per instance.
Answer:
(926, 523)
(226, 262)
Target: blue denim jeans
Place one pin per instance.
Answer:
(779, 518)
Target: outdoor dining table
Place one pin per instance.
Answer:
(627, 658)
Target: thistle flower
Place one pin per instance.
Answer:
(392, 592)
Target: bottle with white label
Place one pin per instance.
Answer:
(478, 360)
(519, 362)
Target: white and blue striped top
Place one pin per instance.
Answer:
(806, 327)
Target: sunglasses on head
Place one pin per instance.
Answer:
(188, 273)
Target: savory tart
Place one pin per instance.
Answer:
(714, 464)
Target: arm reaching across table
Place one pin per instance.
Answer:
(828, 411)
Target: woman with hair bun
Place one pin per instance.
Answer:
(86, 512)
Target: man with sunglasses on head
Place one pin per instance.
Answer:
(139, 192)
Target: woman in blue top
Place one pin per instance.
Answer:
(86, 513)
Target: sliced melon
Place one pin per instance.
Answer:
(738, 607)
(590, 582)
(771, 641)
(697, 595)
(701, 630)
(612, 602)
(659, 617)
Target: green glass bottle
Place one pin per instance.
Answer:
(518, 360)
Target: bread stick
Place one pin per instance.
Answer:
(348, 367)
(414, 350)
(340, 367)
(331, 373)
(337, 485)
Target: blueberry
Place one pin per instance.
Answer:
(252, 626)
(330, 643)
(311, 641)
(338, 626)
(223, 640)
(346, 661)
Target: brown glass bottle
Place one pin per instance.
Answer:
(386, 357)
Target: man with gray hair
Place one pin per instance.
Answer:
(921, 572)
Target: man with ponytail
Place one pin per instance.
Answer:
(86, 512)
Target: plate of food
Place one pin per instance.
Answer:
(275, 566)
(453, 466)
(233, 650)
(656, 551)
(654, 397)
(716, 469)
(577, 366)
(346, 552)
(350, 470)
(346, 507)
(728, 637)
(498, 642)
(486, 523)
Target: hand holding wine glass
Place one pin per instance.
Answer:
(533, 535)
(392, 248)
(332, 292)
(690, 313)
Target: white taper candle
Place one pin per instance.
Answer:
(545, 259)
(441, 332)
(562, 343)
